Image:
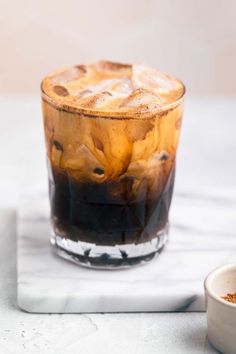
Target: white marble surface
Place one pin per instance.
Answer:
(202, 236)
(205, 159)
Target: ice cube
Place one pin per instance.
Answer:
(95, 100)
(68, 75)
(119, 86)
(142, 99)
(165, 86)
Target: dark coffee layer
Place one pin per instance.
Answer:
(103, 213)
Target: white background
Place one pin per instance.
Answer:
(194, 40)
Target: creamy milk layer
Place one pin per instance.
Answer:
(112, 87)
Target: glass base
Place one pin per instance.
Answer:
(109, 257)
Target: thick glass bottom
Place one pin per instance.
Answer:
(109, 257)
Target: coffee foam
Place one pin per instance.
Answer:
(109, 87)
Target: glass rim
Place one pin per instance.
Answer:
(121, 115)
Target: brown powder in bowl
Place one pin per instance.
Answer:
(230, 298)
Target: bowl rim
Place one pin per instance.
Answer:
(208, 283)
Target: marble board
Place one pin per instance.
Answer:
(202, 237)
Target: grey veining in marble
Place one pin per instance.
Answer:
(202, 236)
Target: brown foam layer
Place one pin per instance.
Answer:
(108, 87)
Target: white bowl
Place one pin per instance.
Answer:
(221, 314)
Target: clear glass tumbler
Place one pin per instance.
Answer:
(111, 178)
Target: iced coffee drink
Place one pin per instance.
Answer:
(111, 131)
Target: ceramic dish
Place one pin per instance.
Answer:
(221, 314)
